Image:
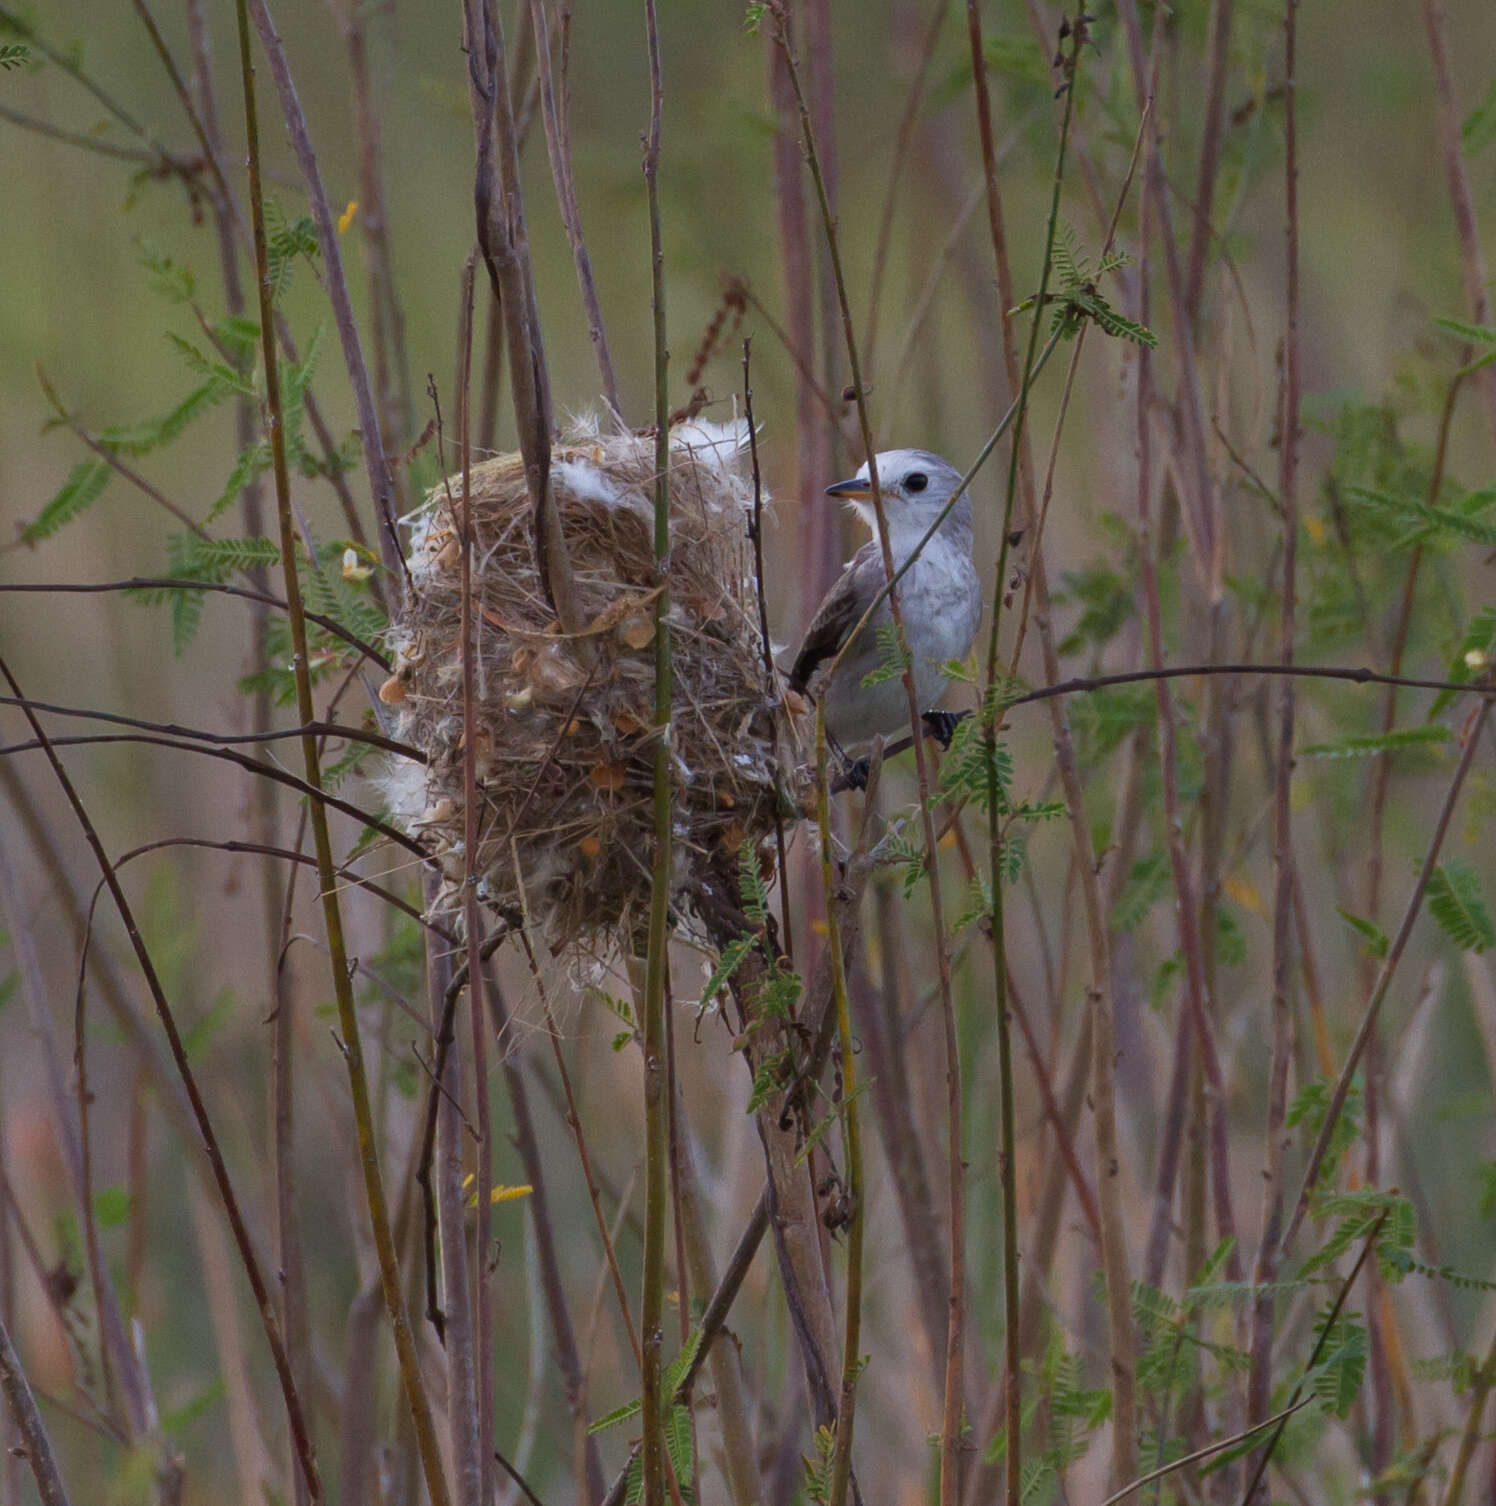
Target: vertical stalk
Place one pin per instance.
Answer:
(482, 1345)
(24, 1412)
(656, 1104)
(951, 1418)
(352, 1046)
(841, 1464)
(1266, 1267)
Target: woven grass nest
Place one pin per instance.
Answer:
(564, 746)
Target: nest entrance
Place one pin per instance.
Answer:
(565, 741)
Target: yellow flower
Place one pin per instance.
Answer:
(346, 218)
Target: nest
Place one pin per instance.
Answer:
(564, 736)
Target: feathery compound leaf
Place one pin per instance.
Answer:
(157, 433)
(1458, 519)
(1477, 334)
(1374, 936)
(892, 660)
(1459, 905)
(1336, 1380)
(1146, 881)
(217, 559)
(84, 486)
(1382, 742)
(14, 55)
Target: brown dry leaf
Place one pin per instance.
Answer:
(637, 631)
(795, 703)
(392, 692)
(590, 846)
(628, 721)
(732, 836)
(608, 776)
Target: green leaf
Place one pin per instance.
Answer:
(14, 55)
(285, 241)
(1436, 520)
(1382, 742)
(618, 1414)
(1459, 905)
(169, 279)
(1146, 882)
(1374, 936)
(1476, 334)
(157, 433)
(84, 486)
(893, 661)
(1017, 57)
(822, 1126)
(111, 1207)
(1479, 128)
(1336, 1380)
(214, 371)
(252, 463)
(728, 963)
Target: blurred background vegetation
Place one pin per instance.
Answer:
(1380, 260)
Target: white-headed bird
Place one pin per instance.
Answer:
(940, 596)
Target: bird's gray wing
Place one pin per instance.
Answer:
(839, 613)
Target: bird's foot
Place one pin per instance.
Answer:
(941, 725)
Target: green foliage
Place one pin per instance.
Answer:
(286, 241)
(1147, 880)
(1107, 602)
(1473, 657)
(1457, 902)
(892, 660)
(1336, 1379)
(677, 1421)
(14, 55)
(819, 1467)
(1357, 746)
(1362, 1213)
(820, 1129)
(1462, 519)
(1373, 935)
(1101, 720)
(111, 1207)
(156, 433)
(1310, 1106)
(84, 486)
(1078, 298)
(965, 768)
(169, 279)
(1479, 128)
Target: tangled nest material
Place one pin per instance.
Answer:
(564, 746)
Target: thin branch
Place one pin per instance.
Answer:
(1388, 969)
(352, 1045)
(173, 583)
(317, 795)
(28, 1420)
(1275, 1145)
(376, 464)
(558, 144)
(197, 734)
(295, 1416)
(656, 1089)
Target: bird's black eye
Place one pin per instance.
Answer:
(916, 481)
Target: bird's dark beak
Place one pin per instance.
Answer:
(853, 490)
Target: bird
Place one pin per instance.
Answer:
(940, 596)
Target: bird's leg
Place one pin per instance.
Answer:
(854, 770)
(941, 725)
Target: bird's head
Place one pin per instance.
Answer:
(915, 485)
